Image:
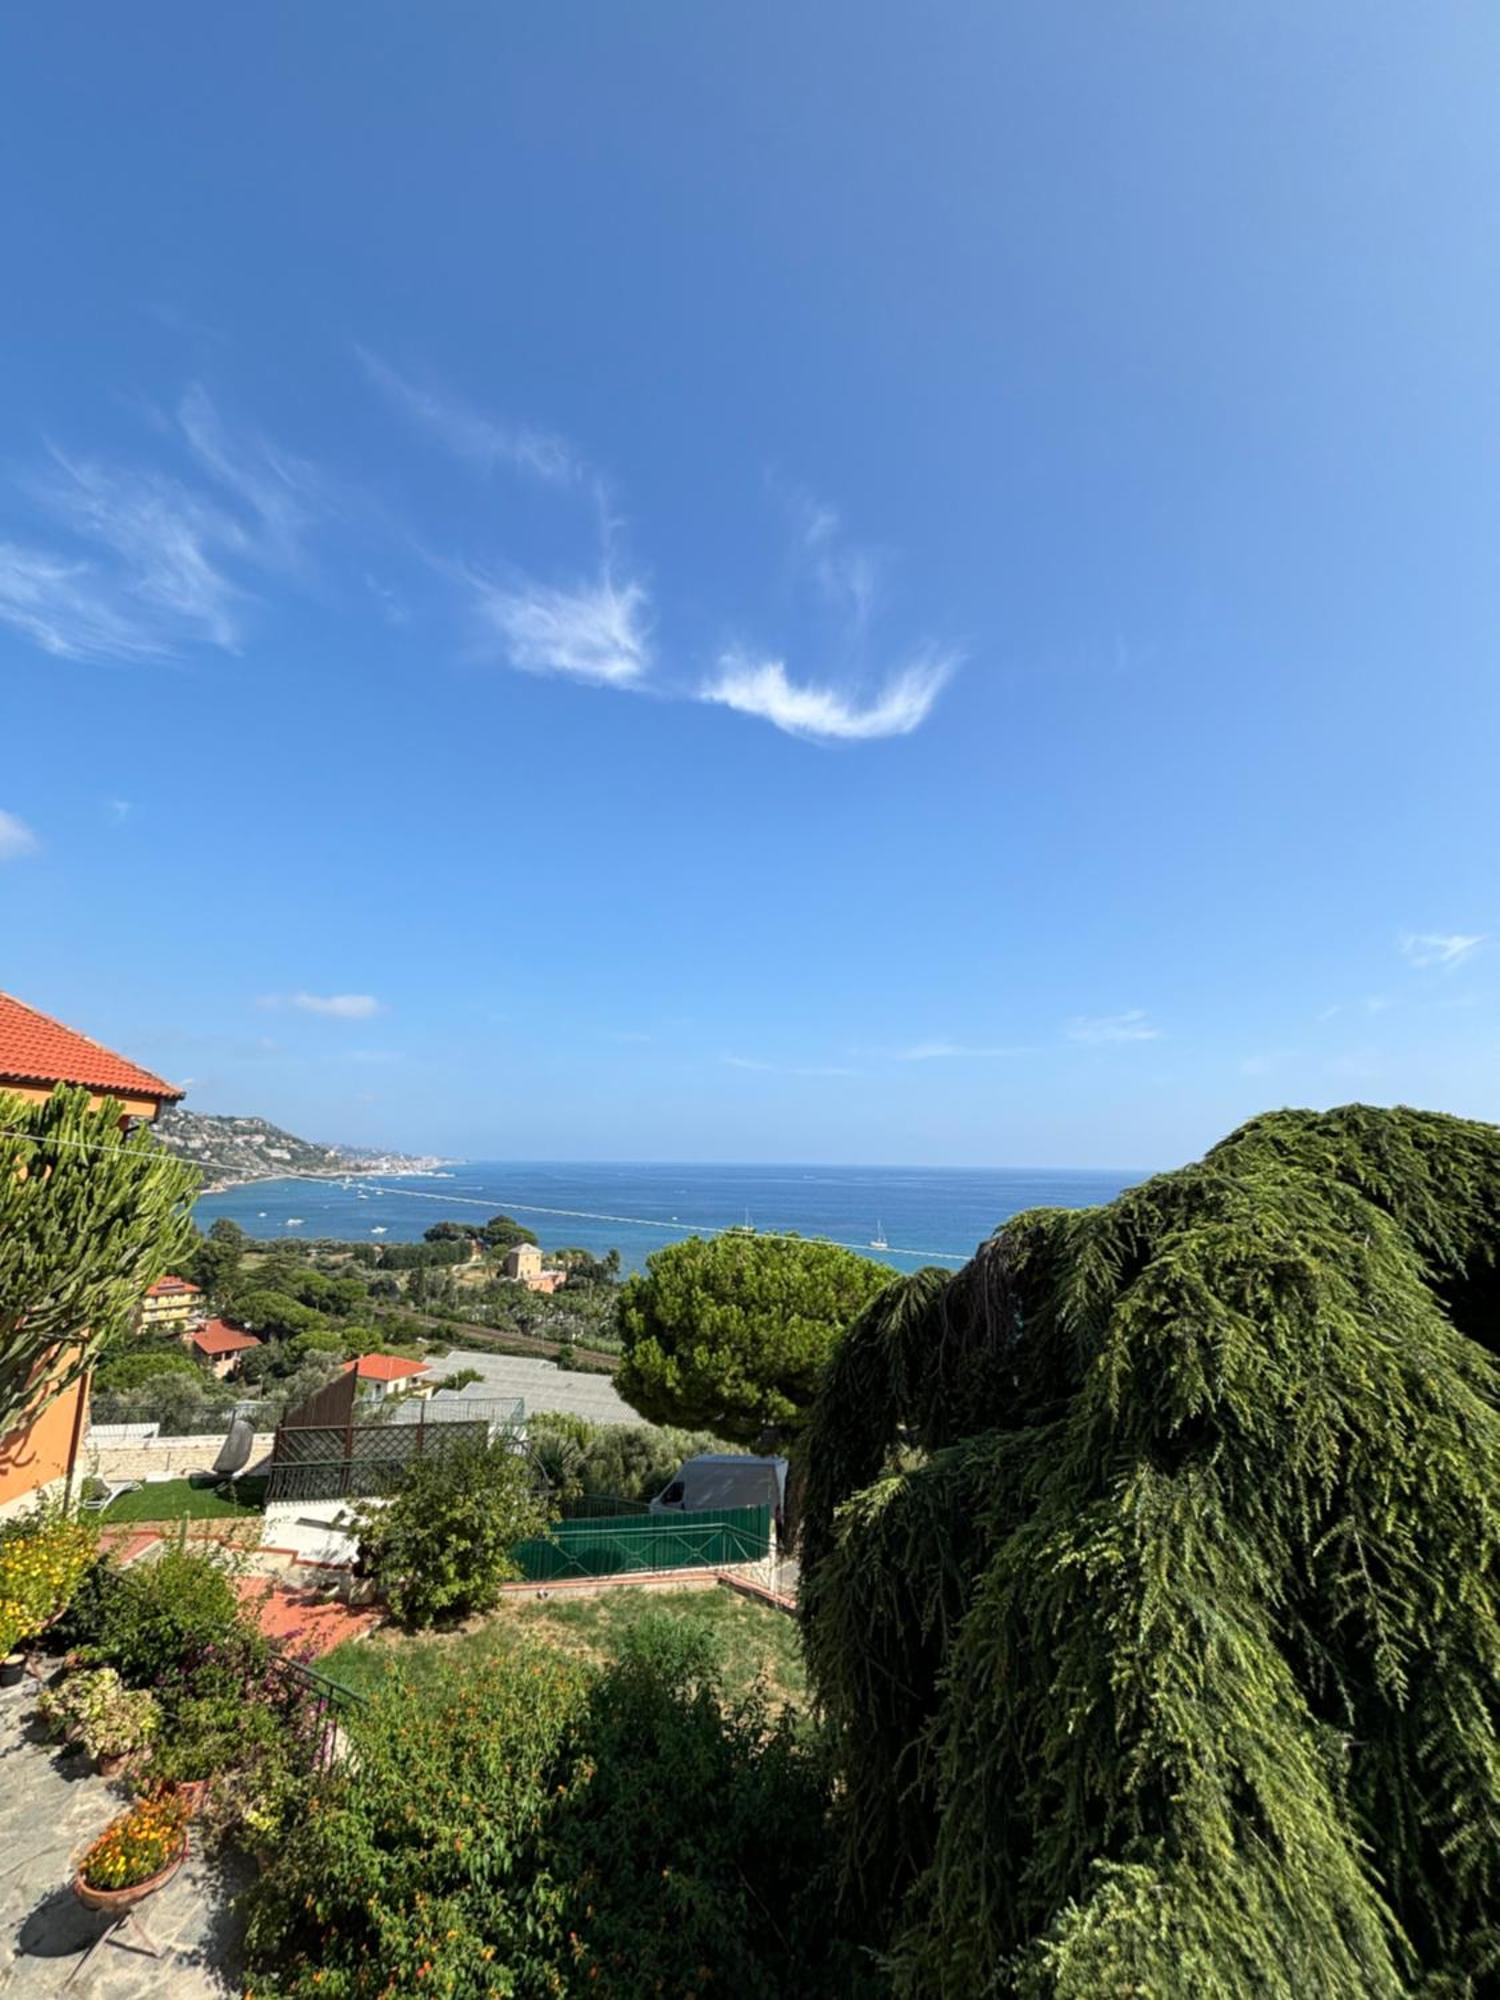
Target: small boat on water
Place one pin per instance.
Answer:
(294, 1222)
(877, 1241)
(378, 1230)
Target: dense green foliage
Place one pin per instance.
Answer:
(440, 1547)
(156, 1620)
(1150, 1581)
(529, 1828)
(617, 1461)
(730, 1334)
(89, 1217)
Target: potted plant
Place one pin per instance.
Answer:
(111, 1721)
(136, 1855)
(12, 1667)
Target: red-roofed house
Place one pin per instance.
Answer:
(378, 1375)
(169, 1304)
(221, 1345)
(36, 1054)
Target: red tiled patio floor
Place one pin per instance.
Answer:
(125, 1544)
(312, 1622)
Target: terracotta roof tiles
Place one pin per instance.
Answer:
(35, 1049)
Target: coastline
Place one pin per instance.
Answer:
(408, 1169)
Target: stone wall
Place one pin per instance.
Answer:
(161, 1457)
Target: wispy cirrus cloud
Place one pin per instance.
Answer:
(470, 434)
(789, 1069)
(597, 631)
(337, 1006)
(1444, 949)
(157, 562)
(66, 606)
(1131, 1026)
(16, 838)
(942, 1051)
(830, 713)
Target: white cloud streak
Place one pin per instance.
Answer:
(1131, 1026)
(829, 714)
(157, 561)
(16, 838)
(1444, 949)
(594, 632)
(337, 1006)
(788, 1069)
(940, 1051)
(471, 435)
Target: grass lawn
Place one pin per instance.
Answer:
(185, 1500)
(754, 1640)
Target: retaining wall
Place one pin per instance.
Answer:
(161, 1457)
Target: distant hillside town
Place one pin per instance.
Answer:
(228, 1151)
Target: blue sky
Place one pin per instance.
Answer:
(841, 583)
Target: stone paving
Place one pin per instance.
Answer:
(52, 1804)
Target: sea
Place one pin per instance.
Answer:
(905, 1216)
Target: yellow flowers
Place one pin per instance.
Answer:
(139, 1844)
(42, 1563)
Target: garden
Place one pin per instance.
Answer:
(536, 1802)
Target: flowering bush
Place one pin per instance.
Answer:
(138, 1845)
(42, 1562)
(99, 1711)
(532, 1827)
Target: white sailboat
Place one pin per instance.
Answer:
(877, 1241)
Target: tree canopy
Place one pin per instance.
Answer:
(89, 1217)
(1150, 1571)
(730, 1333)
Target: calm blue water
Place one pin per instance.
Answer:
(929, 1215)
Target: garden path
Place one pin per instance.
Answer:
(51, 1804)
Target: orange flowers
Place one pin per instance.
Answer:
(139, 1844)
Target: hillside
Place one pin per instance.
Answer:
(243, 1149)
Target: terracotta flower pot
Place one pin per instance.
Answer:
(195, 1791)
(117, 1902)
(110, 1763)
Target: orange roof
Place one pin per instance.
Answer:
(166, 1288)
(36, 1049)
(219, 1337)
(384, 1368)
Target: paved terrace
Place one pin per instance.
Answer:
(51, 1805)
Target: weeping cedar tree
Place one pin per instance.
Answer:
(89, 1217)
(1150, 1583)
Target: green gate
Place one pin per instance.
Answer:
(716, 1538)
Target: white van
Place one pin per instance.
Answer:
(724, 1479)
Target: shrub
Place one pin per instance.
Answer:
(130, 1369)
(43, 1560)
(138, 1845)
(532, 1827)
(459, 1379)
(629, 1461)
(99, 1711)
(441, 1547)
(212, 1733)
(156, 1621)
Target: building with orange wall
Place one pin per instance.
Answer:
(36, 1054)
